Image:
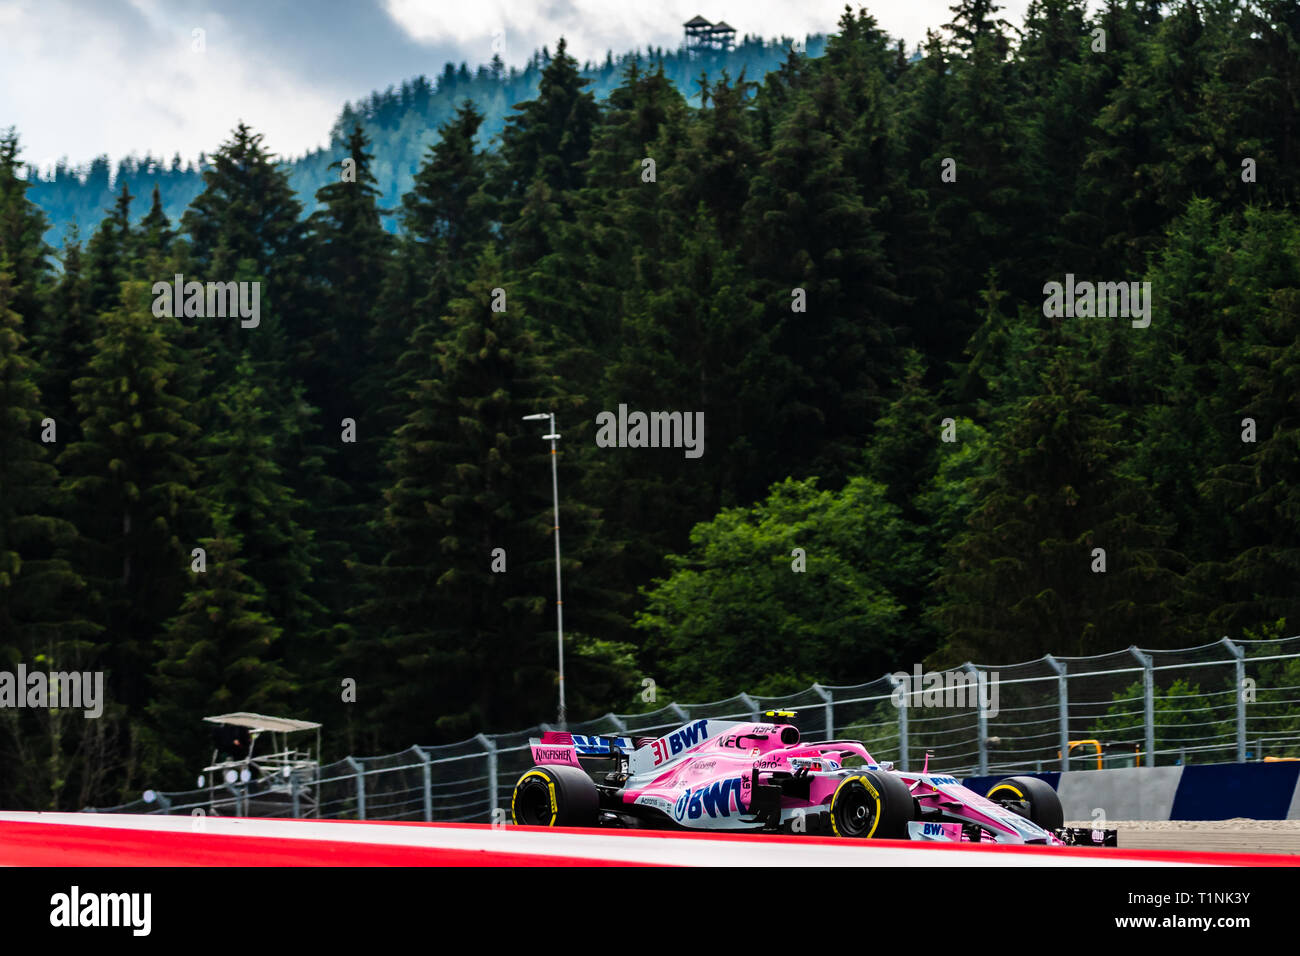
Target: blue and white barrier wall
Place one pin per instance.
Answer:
(1257, 791)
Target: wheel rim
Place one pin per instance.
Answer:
(1019, 807)
(855, 811)
(1013, 800)
(533, 804)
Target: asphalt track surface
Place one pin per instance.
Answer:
(76, 839)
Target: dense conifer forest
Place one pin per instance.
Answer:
(401, 122)
(842, 261)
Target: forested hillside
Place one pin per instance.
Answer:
(401, 123)
(842, 264)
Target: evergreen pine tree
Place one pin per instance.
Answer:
(132, 478)
(219, 653)
(469, 476)
(110, 252)
(22, 238)
(1024, 579)
(548, 136)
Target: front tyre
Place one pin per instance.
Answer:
(1031, 798)
(555, 797)
(871, 804)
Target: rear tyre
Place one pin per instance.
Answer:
(1031, 798)
(555, 797)
(871, 804)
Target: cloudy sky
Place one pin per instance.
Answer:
(83, 77)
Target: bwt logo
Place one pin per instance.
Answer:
(688, 736)
(719, 798)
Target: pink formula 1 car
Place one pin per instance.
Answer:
(736, 776)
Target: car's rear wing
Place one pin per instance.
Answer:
(556, 746)
(589, 745)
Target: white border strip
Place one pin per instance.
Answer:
(665, 849)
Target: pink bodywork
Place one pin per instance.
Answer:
(702, 775)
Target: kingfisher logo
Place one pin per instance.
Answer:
(719, 798)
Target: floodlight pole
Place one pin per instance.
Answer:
(559, 603)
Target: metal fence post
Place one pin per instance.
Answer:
(1240, 655)
(164, 804)
(982, 721)
(490, 748)
(361, 787)
(752, 705)
(1062, 708)
(825, 695)
(903, 755)
(238, 801)
(426, 772)
(1149, 705)
(293, 789)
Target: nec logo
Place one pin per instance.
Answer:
(717, 799)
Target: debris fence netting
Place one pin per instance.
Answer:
(1223, 702)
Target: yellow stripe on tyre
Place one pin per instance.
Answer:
(1004, 786)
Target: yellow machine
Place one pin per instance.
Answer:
(1110, 748)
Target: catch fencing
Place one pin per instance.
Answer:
(1230, 701)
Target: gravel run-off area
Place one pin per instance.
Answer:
(1226, 836)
